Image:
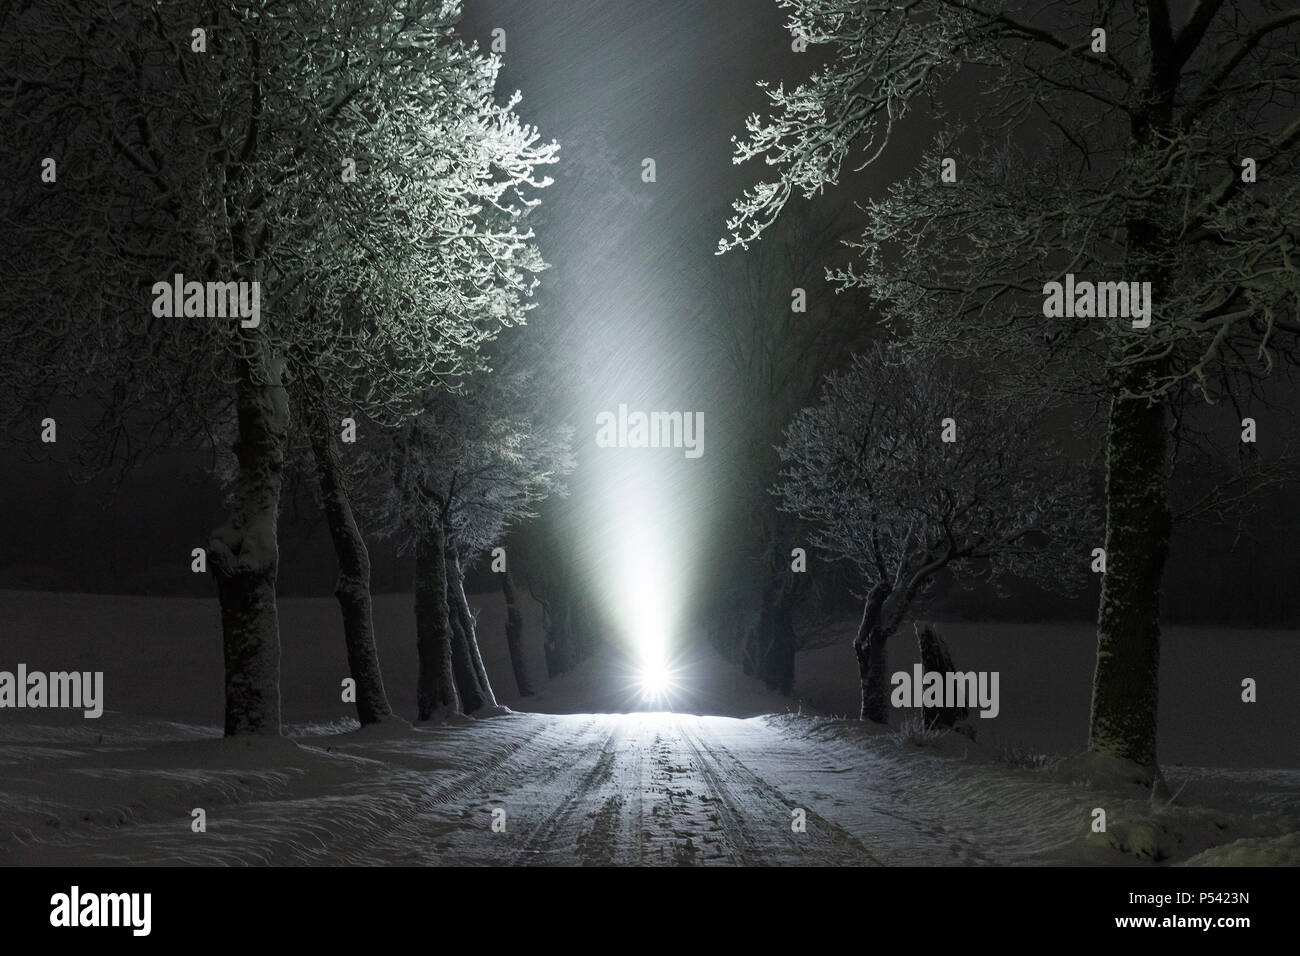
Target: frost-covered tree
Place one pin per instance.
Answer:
(514, 461)
(86, 225)
(356, 166)
(909, 473)
(1120, 142)
(440, 229)
(324, 429)
(449, 484)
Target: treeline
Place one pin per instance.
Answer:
(292, 241)
(1134, 145)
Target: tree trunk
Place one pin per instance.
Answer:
(582, 633)
(748, 647)
(465, 618)
(435, 685)
(1138, 524)
(873, 663)
(781, 589)
(244, 556)
(352, 589)
(778, 664)
(558, 647)
(1126, 683)
(515, 637)
(467, 684)
(935, 657)
(760, 635)
(549, 647)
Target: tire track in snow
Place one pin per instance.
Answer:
(557, 834)
(347, 828)
(504, 771)
(894, 812)
(658, 791)
(607, 789)
(743, 799)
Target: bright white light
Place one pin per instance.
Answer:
(644, 598)
(656, 681)
(645, 574)
(648, 621)
(641, 568)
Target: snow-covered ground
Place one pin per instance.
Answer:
(1046, 687)
(576, 781)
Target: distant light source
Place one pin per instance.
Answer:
(647, 598)
(656, 682)
(641, 564)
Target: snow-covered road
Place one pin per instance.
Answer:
(568, 789)
(517, 789)
(625, 789)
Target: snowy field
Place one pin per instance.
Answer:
(575, 781)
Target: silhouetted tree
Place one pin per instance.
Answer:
(870, 470)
